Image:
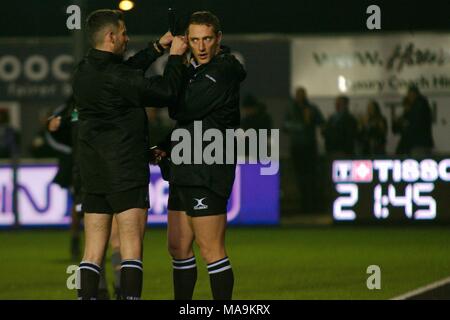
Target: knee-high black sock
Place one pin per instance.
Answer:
(221, 278)
(89, 275)
(184, 278)
(131, 279)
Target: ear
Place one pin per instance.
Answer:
(111, 37)
(219, 37)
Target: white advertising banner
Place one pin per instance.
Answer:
(371, 64)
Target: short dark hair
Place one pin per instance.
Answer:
(414, 88)
(205, 18)
(99, 19)
(376, 106)
(344, 98)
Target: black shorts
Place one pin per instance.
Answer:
(116, 202)
(196, 201)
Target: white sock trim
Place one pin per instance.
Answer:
(131, 266)
(186, 267)
(183, 261)
(91, 263)
(89, 268)
(220, 270)
(132, 260)
(217, 263)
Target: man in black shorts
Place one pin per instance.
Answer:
(62, 136)
(113, 142)
(199, 193)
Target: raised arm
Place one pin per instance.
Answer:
(144, 58)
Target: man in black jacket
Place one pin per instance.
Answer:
(113, 142)
(414, 125)
(199, 193)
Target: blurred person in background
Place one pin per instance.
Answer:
(373, 130)
(254, 116)
(415, 125)
(9, 137)
(40, 146)
(341, 130)
(302, 123)
(400, 127)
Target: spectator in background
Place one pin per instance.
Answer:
(341, 130)
(373, 131)
(8, 136)
(415, 125)
(302, 122)
(41, 146)
(255, 116)
(400, 127)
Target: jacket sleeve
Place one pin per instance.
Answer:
(157, 91)
(144, 58)
(203, 95)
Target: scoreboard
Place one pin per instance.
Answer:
(391, 190)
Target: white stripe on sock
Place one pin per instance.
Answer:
(186, 267)
(88, 262)
(131, 266)
(89, 268)
(220, 270)
(217, 263)
(125, 261)
(183, 261)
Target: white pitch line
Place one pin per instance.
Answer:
(423, 289)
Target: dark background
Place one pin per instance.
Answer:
(48, 18)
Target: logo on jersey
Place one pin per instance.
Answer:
(200, 205)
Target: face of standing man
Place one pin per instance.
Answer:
(106, 31)
(119, 39)
(204, 42)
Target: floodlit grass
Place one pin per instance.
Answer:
(268, 263)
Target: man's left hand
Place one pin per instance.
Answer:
(166, 40)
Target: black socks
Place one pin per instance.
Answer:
(184, 278)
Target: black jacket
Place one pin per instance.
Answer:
(340, 133)
(301, 123)
(211, 95)
(414, 127)
(113, 135)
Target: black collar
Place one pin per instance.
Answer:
(104, 55)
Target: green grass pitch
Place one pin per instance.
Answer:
(269, 263)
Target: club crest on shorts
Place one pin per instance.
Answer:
(200, 205)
